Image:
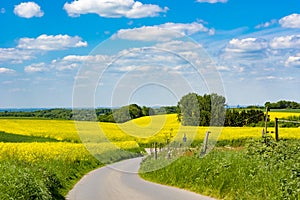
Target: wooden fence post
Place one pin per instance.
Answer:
(276, 129)
(155, 151)
(204, 148)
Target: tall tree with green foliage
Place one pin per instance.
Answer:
(206, 110)
(190, 110)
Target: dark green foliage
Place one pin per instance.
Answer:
(57, 113)
(127, 113)
(165, 110)
(283, 105)
(122, 114)
(7, 137)
(236, 118)
(107, 117)
(196, 110)
(190, 110)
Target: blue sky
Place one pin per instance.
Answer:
(150, 52)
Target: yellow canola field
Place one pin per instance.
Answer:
(281, 115)
(33, 152)
(143, 130)
(57, 129)
(65, 151)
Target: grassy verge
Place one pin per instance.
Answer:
(41, 180)
(7, 137)
(263, 170)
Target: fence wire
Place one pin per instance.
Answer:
(283, 120)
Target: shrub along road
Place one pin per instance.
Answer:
(121, 181)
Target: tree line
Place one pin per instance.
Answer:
(119, 115)
(209, 110)
(192, 110)
(282, 104)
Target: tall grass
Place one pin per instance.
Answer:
(261, 171)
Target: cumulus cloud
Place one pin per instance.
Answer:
(212, 1)
(286, 42)
(293, 61)
(51, 42)
(113, 8)
(28, 48)
(246, 45)
(28, 10)
(4, 70)
(14, 55)
(71, 62)
(163, 32)
(290, 21)
(37, 67)
(245, 51)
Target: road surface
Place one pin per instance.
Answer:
(120, 181)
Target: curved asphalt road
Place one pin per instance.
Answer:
(120, 181)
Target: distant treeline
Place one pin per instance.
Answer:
(58, 113)
(192, 110)
(283, 105)
(122, 114)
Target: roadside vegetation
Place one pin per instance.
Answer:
(264, 169)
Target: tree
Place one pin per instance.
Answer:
(206, 110)
(127, 113)
(190, 110)
(217, 110)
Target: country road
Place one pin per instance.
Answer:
(121, 181)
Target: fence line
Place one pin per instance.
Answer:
(283, 120)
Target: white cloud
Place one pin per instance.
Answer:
(163, 32)
(212, 1)
(275, 78)
(246, 45)
(226, 68)
(113, 8)
(28, 10)
(71, 62)
(267, 24)
(51, 42)
(37, 67)
(2, 10)
(89, 58)
(27, 48)
(290, 21)
(14, 55)
(293, 61)
(4, 70)
(187, 29)
(179, 46)
(286, 42)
